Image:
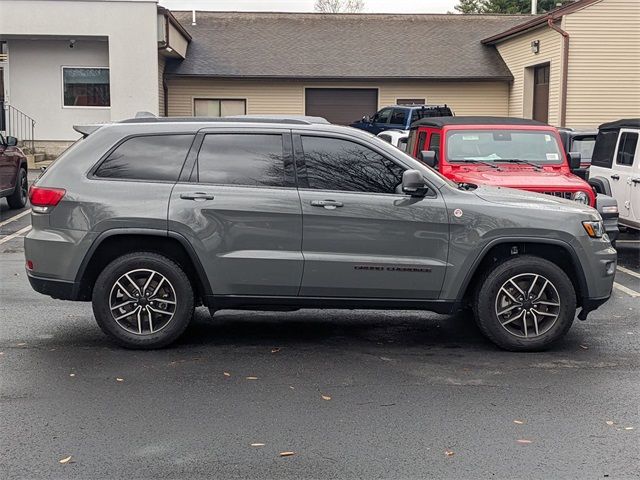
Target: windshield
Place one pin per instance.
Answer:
(540, 147)
(584, 145)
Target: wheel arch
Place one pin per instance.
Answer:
(600, 185)
(116, 242)
(496, 252)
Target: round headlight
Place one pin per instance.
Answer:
(580, 197)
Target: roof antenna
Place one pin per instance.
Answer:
(193, 17)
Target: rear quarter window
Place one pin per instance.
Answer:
(148, 157)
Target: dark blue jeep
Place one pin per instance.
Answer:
(400, 117)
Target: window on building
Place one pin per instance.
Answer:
(335, 164)
(212, 107)
(627, 148)
(253, 160)
(410, 101)
(151, 157)
(86, 87)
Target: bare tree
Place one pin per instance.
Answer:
(339, 6)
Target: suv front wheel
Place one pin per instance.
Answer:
(525, 304)
(143, 300)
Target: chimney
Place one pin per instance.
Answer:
(534, 7)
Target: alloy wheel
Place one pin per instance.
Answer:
(527, 305)
(142, 301)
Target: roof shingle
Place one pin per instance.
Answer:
(336, 46)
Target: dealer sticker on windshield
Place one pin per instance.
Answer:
(552, 156)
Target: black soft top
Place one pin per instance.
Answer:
(443, 121)
(624, 123)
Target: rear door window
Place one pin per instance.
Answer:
(253, 160)
(398, 117)
(383, 116)
(148, 157)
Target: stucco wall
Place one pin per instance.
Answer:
(35, 80)
(131, 30)
(603, 81)
(287, 97)
(517, 54)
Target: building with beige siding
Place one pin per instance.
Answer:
(577, 66)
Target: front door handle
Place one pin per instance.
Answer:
(328, 204)
(615, 176)
(197, 196)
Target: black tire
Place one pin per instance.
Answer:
(486, 304)
(178, 280)
(18, 199)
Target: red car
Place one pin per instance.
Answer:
(505, 152)
(13, 172)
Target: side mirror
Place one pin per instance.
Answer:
(428, 157)
(413, 183)
(11, 141)
(574, 160)
(366, 119)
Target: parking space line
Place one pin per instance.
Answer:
(626, 290)
(627, 241)
(16, 217)
(16, 234)
(628, 272)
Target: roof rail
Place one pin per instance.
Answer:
(289, 120)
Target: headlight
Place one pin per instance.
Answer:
(595, 229)
(580, 197)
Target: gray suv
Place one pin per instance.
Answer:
(149, 217)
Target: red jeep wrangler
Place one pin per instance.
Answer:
(505, 152)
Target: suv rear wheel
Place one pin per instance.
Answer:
(525, 304)
(143, 300)
(18, 198)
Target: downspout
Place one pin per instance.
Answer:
(165, 89)
(565, 69)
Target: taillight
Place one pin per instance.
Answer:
(44, 199)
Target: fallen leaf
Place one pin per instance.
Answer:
(252, 378)
(118, 379)
(519, 422)
(72, 374)
(523, 441)
(584, 347)
(257, 444)
(628, 428)
(1, 353)
(291, 387)
(326, 397)
(609, 422)
(65, 460)
(276, 350)
(226, 374)
(287, 454)
(21, 344)
(449, 453)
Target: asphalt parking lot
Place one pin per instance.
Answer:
(353, 394)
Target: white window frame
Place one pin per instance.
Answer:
(83, 106)
(193, 102)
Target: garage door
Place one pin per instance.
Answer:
(341, 105)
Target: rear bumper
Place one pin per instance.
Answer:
(58, 289)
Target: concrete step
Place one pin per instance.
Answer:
(37, 160)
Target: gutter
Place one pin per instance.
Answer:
(565, 69)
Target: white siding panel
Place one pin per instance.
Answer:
(517, 54)
(604, 63)
(287, 96)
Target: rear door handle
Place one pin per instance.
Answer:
(197, 196)
(635, 180)
(328, 204)
(615, 176)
